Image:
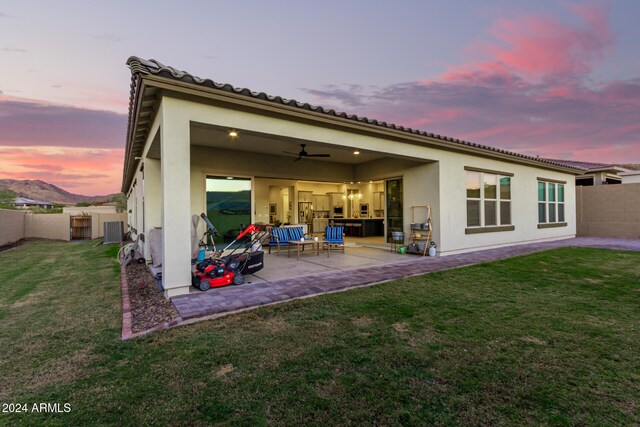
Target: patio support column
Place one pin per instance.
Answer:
(176, 201)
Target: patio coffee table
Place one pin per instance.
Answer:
(301, 244)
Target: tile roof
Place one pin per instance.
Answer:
(587, 166)
(25, 201)
(141, 66)
(583, 165)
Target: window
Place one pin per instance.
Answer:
(488, 199)
(550, 203)
(473, 199)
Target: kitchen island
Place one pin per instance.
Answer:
(360, 227)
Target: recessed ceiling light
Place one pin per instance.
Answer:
(356, 152)
(233, 133)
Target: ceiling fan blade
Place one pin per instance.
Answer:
(289, 152)
(297, 159)
(318, 155)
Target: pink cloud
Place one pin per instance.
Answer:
(75, 148)
(28, 122)
(537, 46)
(42, 167)
(529, 91)
(80, 170)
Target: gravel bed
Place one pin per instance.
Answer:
(19, 243)
(149, 307)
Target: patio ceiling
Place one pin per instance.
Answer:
(254, 142)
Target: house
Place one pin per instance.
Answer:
(597, 173)
(24, 203)
(194, 145)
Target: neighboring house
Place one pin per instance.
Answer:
(630, 177)
(189, 139)
(24, 203)
(596, 173)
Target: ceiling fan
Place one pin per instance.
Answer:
(303, 153)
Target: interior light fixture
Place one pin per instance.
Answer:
(356, 152)
(229, 177)
(233, 133)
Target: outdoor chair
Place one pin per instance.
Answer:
(334, 237)
(282, 236)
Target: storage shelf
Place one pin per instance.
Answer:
(425, 232)
(415, 253)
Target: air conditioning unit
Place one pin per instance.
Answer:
(113, 232)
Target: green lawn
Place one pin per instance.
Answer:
(550, 338)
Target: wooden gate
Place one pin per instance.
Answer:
(80, 227)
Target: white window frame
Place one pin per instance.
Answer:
(556, 203)
(498, 200)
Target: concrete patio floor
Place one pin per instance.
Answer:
(281, 267)
(285, 279)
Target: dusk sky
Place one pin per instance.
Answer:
(549, 78)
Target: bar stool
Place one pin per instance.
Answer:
(348, 229)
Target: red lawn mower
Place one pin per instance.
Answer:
(223, 270)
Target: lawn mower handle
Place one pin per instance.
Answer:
(250, 229)
(209, 225)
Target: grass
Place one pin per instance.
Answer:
(549, 338)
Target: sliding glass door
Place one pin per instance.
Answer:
(394, 206)
(228, 205)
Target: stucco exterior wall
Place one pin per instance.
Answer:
(421, 187)
(631, 179)
(135, 207)
(15, 225)
(11, 226)
(524, 199)
(48, 226)
(609, 211)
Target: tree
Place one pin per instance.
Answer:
(7, 198)
(82, 204)
(120, 199)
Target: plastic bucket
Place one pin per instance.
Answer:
(397, 235)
